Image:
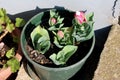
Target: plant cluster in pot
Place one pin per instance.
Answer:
(58, 42)
(10, 50)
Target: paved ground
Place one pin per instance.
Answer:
(22, 75)
(109, 64)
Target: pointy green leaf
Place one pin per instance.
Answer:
(52, 13)
(60, 20)
(10, 53)
(43, 44)
(90, 16)
(10, 27)
(62, 56)
(37, 33)
(2, 12)
(57, 43)
(40, 39)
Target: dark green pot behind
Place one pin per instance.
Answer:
(47, 73)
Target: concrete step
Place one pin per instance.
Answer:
(109, 63)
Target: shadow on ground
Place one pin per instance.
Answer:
(87, 71)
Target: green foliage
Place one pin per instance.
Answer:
(90, 16)
(40, 39)
(19, 22)
(58, 24)
(10, 27)
(12, 61)
(14, 64)
(84, 31)
(2, 12)
(62, 56)
(65, 38)
(7, 24)
(10, 53)
(81, 33)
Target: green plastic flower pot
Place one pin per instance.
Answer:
(49, 73)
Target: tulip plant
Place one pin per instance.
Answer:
(66, 39)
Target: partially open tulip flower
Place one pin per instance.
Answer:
(80, 17)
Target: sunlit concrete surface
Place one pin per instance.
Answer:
(103, 9)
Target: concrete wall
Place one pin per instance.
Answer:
(101, 8)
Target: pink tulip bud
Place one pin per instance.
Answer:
(60, 34)
(53, 21)
(80, 17)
